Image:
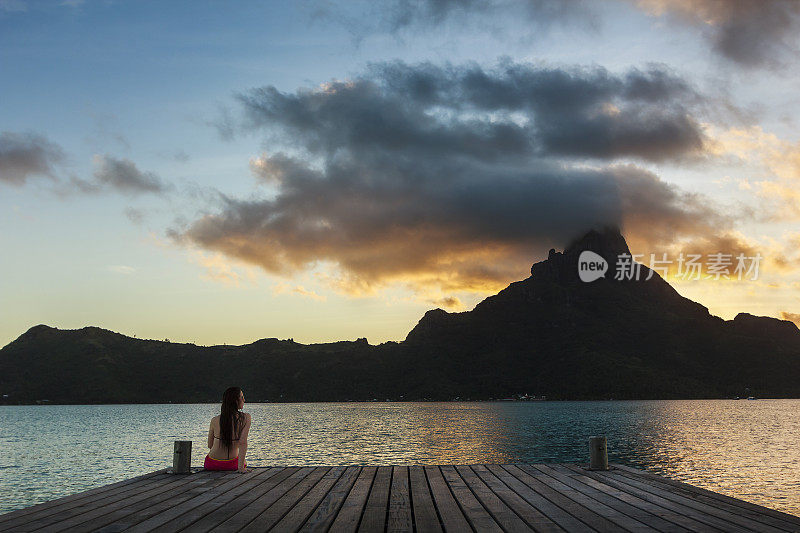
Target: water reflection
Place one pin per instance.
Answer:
(742, 448)
(377, 433)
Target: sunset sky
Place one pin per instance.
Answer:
(217, 172)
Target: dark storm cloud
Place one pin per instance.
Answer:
(455, 225)
(510, 111)
(121, 175)
(747, 32)
(27, 155)
(390, 217)
(457, 177)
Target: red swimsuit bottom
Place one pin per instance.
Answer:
(221, 464)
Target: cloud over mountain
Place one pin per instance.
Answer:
(455, 177)
(455, 226)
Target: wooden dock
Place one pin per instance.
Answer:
(521, 497)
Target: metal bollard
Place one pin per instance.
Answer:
(182, 458)
(599, 453)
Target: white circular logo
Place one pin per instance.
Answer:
(591, 266)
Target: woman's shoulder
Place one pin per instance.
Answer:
(215, 419)
(246, 416)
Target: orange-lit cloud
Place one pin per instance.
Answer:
(718, 256)
(449, 302)
(419, 176)
(286, 288)
(784, 196)
(792, 317)
(778, 159)
(217, 268)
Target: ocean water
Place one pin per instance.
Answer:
(746, 449)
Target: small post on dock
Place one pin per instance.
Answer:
(598, 449)
(182, 458)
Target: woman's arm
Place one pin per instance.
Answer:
(211, 435)
(243, 443)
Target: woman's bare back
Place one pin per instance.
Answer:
(218, 450)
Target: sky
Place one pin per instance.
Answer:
(327, 170)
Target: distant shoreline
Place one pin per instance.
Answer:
(550, 336)
(216, 402)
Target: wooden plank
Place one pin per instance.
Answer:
(630, 517)
(703, 508)
(757, 512)
(328, 508)
(275, 512)
(609, 508)
(510, 498)
(125, 519)
(794, 521)
(502, 513)
(38, 512)
(374, 517)
(349, 515)
(544, 506)
(425, 518)
(93, 509)
(40, 508)
(240, 502)
(400, 517)
(175, 494)
(193, 490)
(157, 502)
(247, 513)
(589, 516)
(532, 516)
(186, 510)
(451, 514)
(478, 516)
(303, 509)
(687, 517)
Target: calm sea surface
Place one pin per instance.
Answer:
(747, 449)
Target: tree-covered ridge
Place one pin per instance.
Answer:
(550, 334)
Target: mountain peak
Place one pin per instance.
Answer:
(775, 327)
(606, 242)
(36, 331)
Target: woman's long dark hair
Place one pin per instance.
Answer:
(230, 418)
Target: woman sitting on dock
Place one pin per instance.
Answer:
(227, 435)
